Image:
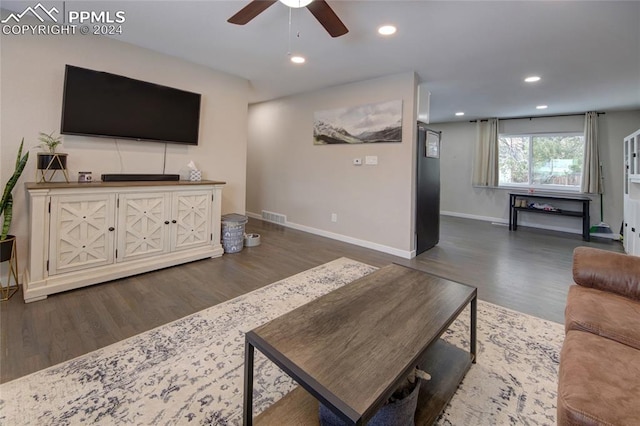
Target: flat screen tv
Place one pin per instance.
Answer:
(97, 103)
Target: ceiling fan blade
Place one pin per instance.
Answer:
(250, 11)
(328, 18)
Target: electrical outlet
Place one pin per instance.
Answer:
(334, 217)
(371, 160)
(357, 161)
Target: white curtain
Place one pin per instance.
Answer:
(591, 181)
(485, 167)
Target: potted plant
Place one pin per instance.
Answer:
(51, 160)
(8, 242)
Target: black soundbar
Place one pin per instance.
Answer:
(122, 177)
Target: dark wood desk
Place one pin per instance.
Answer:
(351, 348)
(582, 213)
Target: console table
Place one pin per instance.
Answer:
(351, 348)
(583, 213)
(87, 233)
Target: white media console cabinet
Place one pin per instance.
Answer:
(87, 233)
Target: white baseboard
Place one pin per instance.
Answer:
(411, 254)
(344, 238)
(520, 222)
(475, 217)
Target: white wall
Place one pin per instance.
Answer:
(461, 199)
(289, 175)
(32, 72)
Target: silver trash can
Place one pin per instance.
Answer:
(233, 232)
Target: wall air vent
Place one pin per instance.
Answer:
(274, 217)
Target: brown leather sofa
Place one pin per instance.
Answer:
(599, 378)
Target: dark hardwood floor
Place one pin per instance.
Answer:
(528, 271)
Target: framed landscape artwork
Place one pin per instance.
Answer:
(372, 123)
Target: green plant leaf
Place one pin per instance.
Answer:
(6, 203)
(19, 153)
(7, 214)
(48, 141)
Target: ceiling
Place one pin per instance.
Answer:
(472, 56)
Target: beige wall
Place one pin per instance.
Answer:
(282, 171)
(289, 175)
(461, 199)
(32, 72)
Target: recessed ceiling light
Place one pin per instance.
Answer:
(459, 113)
(541, 107)
(298, 59)
(532, 79)
(387, 30)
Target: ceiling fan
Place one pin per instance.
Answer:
(319, 8)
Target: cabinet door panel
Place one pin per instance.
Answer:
(80, 237)
(192, 213)
(626, 223)
(633, 245)
(142, 230)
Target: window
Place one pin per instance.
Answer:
(551, 161)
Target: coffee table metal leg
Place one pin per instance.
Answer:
(248, 384)
(474, 311)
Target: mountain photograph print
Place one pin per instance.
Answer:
(373, 123)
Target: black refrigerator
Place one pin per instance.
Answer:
(427, 189)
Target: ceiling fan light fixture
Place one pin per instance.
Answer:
(297, 59)
(387, 30)
(296, 3)
(320, 9)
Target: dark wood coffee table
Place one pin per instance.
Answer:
(351, 348)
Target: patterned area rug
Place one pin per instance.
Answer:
(190, 371)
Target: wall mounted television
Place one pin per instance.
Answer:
(97, 103)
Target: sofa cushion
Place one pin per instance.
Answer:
(605, 270)
(598, 381)
(603, 313)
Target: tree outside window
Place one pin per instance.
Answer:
(543, 160)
